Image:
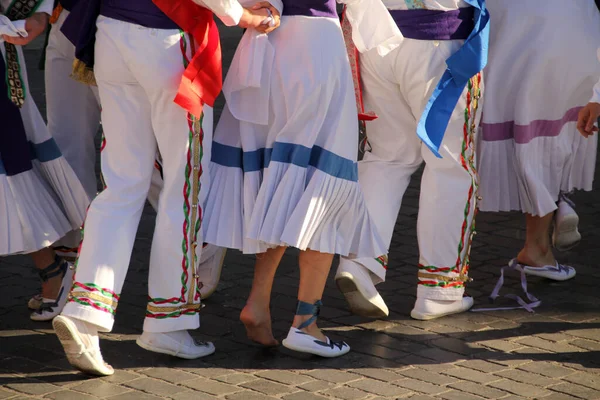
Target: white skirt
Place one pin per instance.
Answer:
(39, 206)
(542, 68)
(292, 181)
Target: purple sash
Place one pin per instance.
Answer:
(435, 24)
(15, 154)
(310, 8)
(139, 12)
(67, 4)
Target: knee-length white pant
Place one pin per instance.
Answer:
(397, 88)
(138, 71)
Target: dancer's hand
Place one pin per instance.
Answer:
(587, 118)
(253, 18)
(34, 25)
(274, 14)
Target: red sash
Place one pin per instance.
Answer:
(203, 78)
(355, 67)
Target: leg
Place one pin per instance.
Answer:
(57, 278)
(537, 251)
(304, 335)
(256, 315)
(173, 284)
(447, 202)
(113, 217)
(384, 175)
(314, 268)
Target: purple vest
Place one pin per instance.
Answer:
(310, 8)
(435, 24)
(139, 12)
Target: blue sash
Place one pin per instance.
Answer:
(469, 60)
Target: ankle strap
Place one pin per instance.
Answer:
(58, 267)
(304, 308)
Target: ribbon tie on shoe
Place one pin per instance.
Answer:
(533, 301)
(304, 308)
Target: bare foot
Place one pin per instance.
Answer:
(258, 326)
(536, 257)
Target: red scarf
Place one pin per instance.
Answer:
(203, 78)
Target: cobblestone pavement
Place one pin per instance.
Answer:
(551, 354)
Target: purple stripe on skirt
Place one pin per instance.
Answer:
(310, 8)
(523, 134)
(435, 24)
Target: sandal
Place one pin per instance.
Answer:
(298, 340)
(66, 253)
(50, 308)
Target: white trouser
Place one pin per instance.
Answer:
(138, 71)
(397, 88)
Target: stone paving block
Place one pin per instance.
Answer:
(540, 343)
(100, 388)
(377, 387)
(285, 377)
(33, 387)
(427, 376)
(316, 386)
(168, 374)
(579, 391)
(420, 386)
(441, 355)
(267, 387)
(69, 395)
(502, 345)
(192, 395)
(421, 397)
(378, 373)
(154, 386)
(585, 379)
(458, 395)
(346, 393)
(247, 395)
(4, 394)
(560, 396)
(304, 396)
(133, 396)
(236, 379)
(479, 390)
(457, 346)
(334, 376)
(521, 389)
(548, 369)
(471, 375)
(526, 377)
(211, 386)
(120, 376)
(586, 344)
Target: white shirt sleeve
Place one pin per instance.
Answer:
(372, 26)
(228, 11)
(596, 94)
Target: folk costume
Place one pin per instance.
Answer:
(41, 199)
(426, 96)
(156, 65)
(531, 153)
(283, 166)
